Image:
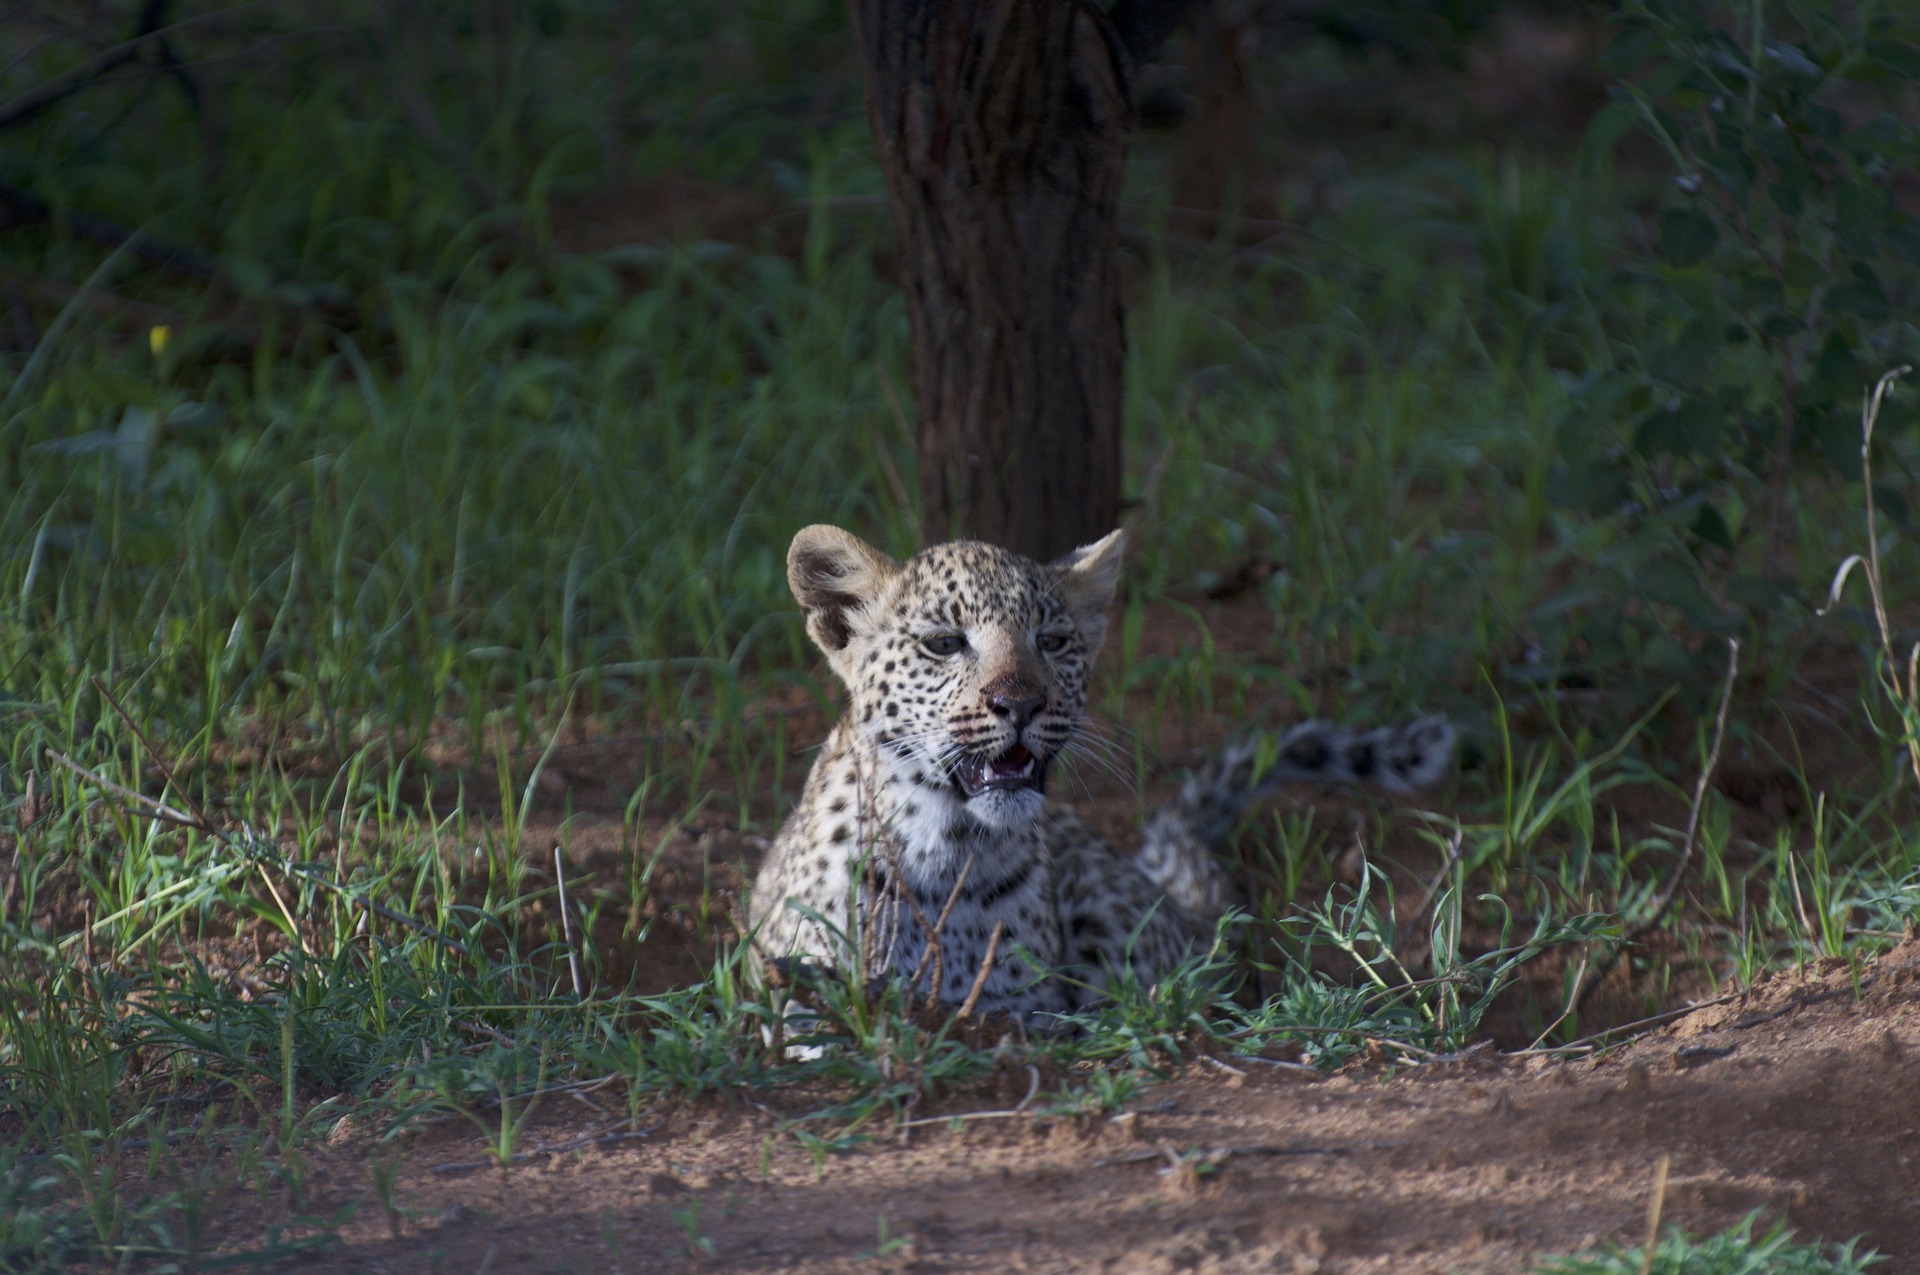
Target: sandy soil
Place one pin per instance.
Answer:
(1795, 1099)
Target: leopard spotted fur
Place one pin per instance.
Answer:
(967, 671)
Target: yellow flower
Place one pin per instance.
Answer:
(157, 337)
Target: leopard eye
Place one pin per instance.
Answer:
(1051, 643)
(944, 644)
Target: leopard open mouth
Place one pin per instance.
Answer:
(1011, 771)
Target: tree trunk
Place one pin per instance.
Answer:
(1213, 168)
(1002, 129)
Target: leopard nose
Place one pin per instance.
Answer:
(1017, 707)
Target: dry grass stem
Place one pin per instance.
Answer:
(566, 925)
(1907, 692)
(986, 968)
(1656, 1200)
(1657, 910)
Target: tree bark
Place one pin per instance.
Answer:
(1002, 128)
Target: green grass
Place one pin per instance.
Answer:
(1735, 1251)
(409, 494)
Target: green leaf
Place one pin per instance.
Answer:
(1687, 236)
(1665, 656)
(1673, 583)
(1612, 123)
(1863, 297)
(1824, 123)
(1733, 167)
(1698, 424)
(1836, 431)
(1905, 235)
(1893, 504)
(1801, 270)
(1779, 323)
(1691, 429)
(1756, 593)
(1788, 191)
(1712, 528)
(1794, 59)
(1902, 57)
(1630, 50)
(1834, 372)
(1866, 70)
(1667, 77)
(1859, 210)
(1599, 488)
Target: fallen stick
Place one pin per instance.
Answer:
(1217, 1154)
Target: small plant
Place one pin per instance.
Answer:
(687, 1216)
(1151, 1027)
(386, 1173)
(1735, 1251)
(502, 1071)
(1332, 1022)
(1188, 1171)
(1107, 1089)
(1441, 1010)
(820, 1146)
(705, 1038)
(888, 1245)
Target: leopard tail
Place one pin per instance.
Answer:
(1178, 851)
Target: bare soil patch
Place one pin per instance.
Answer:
(1794, 1099)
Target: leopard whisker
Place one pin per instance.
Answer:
(1071, 770)
(1075, 750)
(1088, 736)
(1109, 734)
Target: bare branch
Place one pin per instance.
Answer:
(150, 31)
(18, 208)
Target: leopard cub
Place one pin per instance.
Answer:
(926, 812)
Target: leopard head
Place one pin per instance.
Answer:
(967, 663)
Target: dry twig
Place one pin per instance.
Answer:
(1217, 1154)
(1626, 1031)
(150, 33)
(932, 949)
(986, 968)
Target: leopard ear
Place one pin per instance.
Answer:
(834, 574)
(1087, 579)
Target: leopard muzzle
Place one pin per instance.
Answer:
(1014, 770)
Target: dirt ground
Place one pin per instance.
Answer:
(1795, 1099)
